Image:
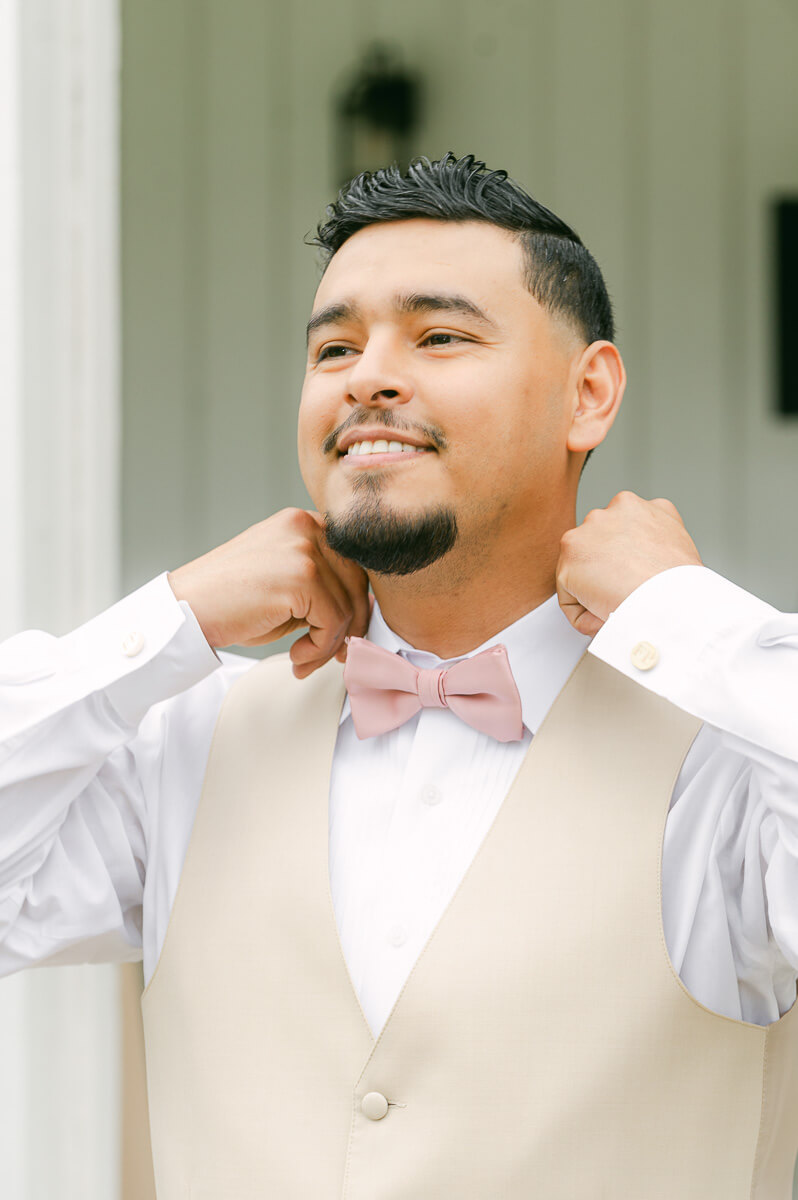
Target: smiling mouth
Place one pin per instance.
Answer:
(382, 448)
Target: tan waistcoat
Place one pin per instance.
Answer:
(543, 1045)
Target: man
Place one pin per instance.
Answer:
(402, 929)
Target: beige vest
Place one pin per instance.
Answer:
(543, 1045)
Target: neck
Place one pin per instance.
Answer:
(467, 597)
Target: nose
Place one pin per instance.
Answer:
(377, 378)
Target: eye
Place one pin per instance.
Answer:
(443, 339)
(333, 352)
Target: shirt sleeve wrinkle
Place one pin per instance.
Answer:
(728, 659)
(781, 888)
(73, 775)
(759, 880)
(84, 883)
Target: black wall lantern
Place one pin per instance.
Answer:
(377, 113)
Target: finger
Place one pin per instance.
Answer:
(353, 578)
(568, 602)
(355, 581)
(668, 507)
(588, 624)
(363, 606)
(289, 626)
(582, 619)
(342, 652)
(625, 497)
(329, 615)
(305, 657)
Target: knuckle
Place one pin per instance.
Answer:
(347, 614)
(297, 520)
(306, 570)
(567, 539)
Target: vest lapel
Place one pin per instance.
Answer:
(321, 698)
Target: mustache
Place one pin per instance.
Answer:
(389, 418)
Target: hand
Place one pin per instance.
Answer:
(275, 577)
(613, 551)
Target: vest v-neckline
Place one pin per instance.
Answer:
(333, 709)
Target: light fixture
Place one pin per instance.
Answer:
(377, 113)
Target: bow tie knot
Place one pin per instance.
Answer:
(430, 687)
(385, 691)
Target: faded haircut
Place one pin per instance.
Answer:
(560, 271)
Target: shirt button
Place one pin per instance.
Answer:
(133, 643)
(397, 936)
(374, 1106)
(644, 656)
(431, 795)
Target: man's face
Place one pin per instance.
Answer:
(425, 337)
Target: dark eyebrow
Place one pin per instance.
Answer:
(333, 314)
(443, 302)
(414, 302)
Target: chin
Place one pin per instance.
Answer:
(383, 538)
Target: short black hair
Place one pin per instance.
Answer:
(561, 273)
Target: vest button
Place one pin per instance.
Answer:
(374, 1106)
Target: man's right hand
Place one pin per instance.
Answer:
(275, 577)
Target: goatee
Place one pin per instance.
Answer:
(388, 543)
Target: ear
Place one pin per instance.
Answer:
(600, 383)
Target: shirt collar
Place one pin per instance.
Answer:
(542, 646)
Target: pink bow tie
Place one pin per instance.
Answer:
(385, 691)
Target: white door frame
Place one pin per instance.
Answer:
(59, 534)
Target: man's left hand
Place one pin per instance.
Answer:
(614, 551)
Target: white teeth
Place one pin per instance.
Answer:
(382, 447)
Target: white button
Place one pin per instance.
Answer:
(397, 936)
(133, 643)
(431, 795)
(374, 1106)
(644, 656)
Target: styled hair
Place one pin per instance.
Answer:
(560, 272)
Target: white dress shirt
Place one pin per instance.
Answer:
(105, 735)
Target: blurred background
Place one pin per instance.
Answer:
(162, 163)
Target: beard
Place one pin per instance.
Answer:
(389, 543)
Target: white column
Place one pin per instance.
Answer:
(10, 319)
(59, 432)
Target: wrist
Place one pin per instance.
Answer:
(180, 584)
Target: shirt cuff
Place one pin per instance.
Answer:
(712, 649)
(146, 648)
